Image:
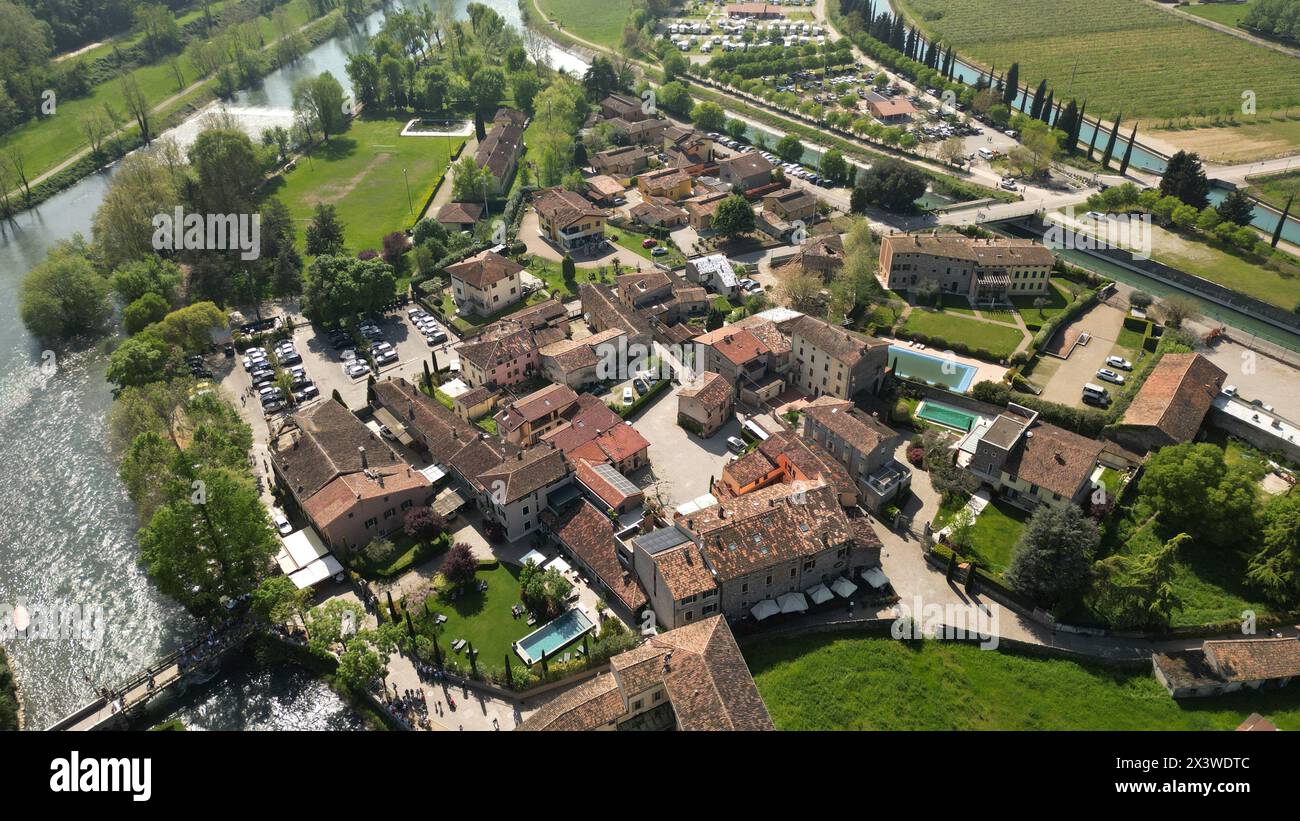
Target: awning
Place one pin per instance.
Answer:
(875, 577)
(765, 608)
(792, 603)
(384, 417)
(558, 563)
(533, 556)
(316, 572)
(820, 594)
(448, 502)
(843, 587)
(301, 548)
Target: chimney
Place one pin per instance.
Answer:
(668, 657)
(410, 410)
(722, 512)
(364, 463)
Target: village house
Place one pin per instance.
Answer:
(576, 362)
(525, 420)
(604, 190)
(691, 679)
(352, 487)
(602, 310)
(863, 445)
(621, 105)
(585, 534)
(595, 432)
(735, 353)
(568, 219)
(713, 271)
(756, 11)
(622, 162)
(1172, 403)
(669, 183)
(785, 458)
(506, 353)
(514, 491)
(460, 216)
(979, 269)
(744, 172)
(486, 283)
(791, 204)
(700, 209)
(889, 110)
(649, 131)
(830, 360)
(822, 255)
(606, 487)
(658, 212)
(499, 154)
(1228, 666)
(475, 403)
(705, 405)
(686, 147)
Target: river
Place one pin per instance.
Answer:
(67, 529)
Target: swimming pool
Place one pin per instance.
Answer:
(946, 415)
(933, 370)
(553, 635)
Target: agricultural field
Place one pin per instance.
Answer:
(363, 173)
(1276, 189)
(1228, 14)
(1123, 55)
(1260, 138)
(857, 682)
(601, 23)
(1229, 270)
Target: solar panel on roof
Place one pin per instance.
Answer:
(659, 540)
(619, 482)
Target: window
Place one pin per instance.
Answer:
(744, 588)
(794, 571)
(371, 522)
(689, 614)
(407, 504)
(636, 705)
(388, 514)
(659, 695)
(769, 581)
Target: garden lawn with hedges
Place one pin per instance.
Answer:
(1058, 296)
(481, 618)
(994, 536)
(858, 682)
(946, 330)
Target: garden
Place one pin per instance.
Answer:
(943, 329)
(859, 682)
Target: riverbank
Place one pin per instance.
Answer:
(11, 708)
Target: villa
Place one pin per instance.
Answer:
(486, 283)
(567, 219)
(979, 269)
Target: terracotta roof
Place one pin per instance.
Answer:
(536, 405)
(526, 472)
(480, 456)
(587, 706)
(749, 468)
(334, 500)
(664, 178)
(791, 199)
(620, 156)
(484, 269)
(836, 342)
(590, 419)
(847, 422)
(599, 302)
(882, 106)
(809, 458)
(1176, 395)
(498, 350)
(604, 186)
(656, 211)
(710, 389)
(684, 571)
(747, 165)
(1254, 659)
(1054, 458)
(589, 534)
(592, 475)
(460, 213)
(442, 431)
(997, 252)
(500, 147)
(562, 207)
(325, 442)
(739, 347)
(615, 444)
(513, 115)
(767, 331)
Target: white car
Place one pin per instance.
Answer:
(737, 445)
(1119, 362)
(627, 396)
(281, 522)
(1096, 216)
(1110, 376)
(356, 369)
(1229, 391)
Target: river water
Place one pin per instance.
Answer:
(67, 529)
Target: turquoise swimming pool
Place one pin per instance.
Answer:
(553, 635)
(946, 415)
(931, 369)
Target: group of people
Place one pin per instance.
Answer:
(409, 707)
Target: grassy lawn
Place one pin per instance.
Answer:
(408, 552)
(1275, 189)
(601, 23)
(631, 240)
(999, 340)
(956, 304)
(995, 535)
(363, 173)
(44, 143)
(1084, 47)
(861, 683)
(483, 619)
(1057, 296)
(1229, 270)
(1229, 14)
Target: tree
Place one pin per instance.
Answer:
(1138, 591)
(208, 552)
(338, 286)
(734, 216)
(64, 297)
(469, 182)
(1177, 309)
(318, 104)
(141, 359)
(568, 269)
(227, 171)
(675, 65)
(423, 525)
(1039, 147)
(1110, 143)
(136, 104)
(1274, 569)
(952, 150)
(833, 166)
(1011, 87)
(524, 86)
(1053, 557)
(190, 328)
(277, 600)
(486, 88)
(1237, 207)
(709, 117)
(1193, 490)
(675, 99)
(459, 565)
(325, 234)
(953, 483)
(1185, 179)
(789, 148)
(143, 312)
(893, 184)
(360, 664)
(123, 224)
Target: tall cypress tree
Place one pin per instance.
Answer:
(1128, 151)
(1012, 85)
(1096, 129)
(1046, 112)
(1066, 121)
(1036, 107)
(1277, 232)
(1078, 128)
(1110, 144)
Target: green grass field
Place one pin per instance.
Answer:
(44, 143)
(483, 619)
(1229, 270)
(1229, 14)
(1058, 296)
(1122, 54)
(1275, 189)
(860, 683)
(999, 340)
(363, 173)
(601, 23)
(995, 534)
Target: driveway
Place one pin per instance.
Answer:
(681, 463)
(533, 241)
(1104, 322)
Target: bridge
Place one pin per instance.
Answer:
(119, 704)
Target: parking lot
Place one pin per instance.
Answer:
(1104, 323)
(681, 463)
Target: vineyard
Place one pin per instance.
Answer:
(1121, 54)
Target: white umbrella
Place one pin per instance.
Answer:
(843, 587)
(765, 608)
(820, 594)
(792, 603)
(875, 577)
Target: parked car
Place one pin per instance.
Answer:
(1229, 390)
(1110, 376)
(658, 251)
(640, 385)
(649, 242)
(627, 396)
(435, 338)
(735, 444)
(386, 433)
(356, 369)
(1094, 399)
(1119, 362)
(281, 522)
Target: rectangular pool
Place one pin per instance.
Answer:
(553, 635)
(946, 415)
(931, 369)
